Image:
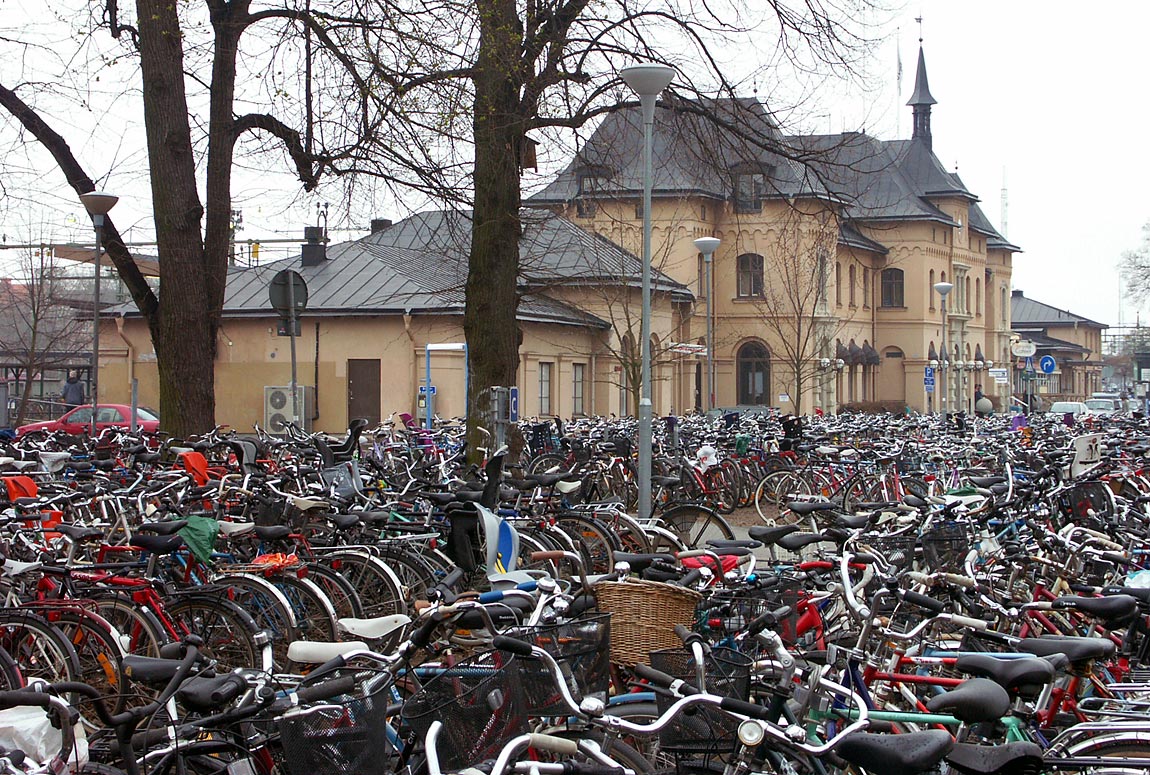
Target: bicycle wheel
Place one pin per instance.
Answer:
(339, 591)
(374, 582)
(268, 606)
(140, 632)
(695, 524)
(10, 677)
(414, 574)
(99, 656)
(774, 492)
(314, 613)
(39, 648)
(597, 544)
(231, 636)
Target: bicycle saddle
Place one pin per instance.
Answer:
(975, 700)
(770, 534)
(1024, 677)
(915, 502)
(640, 562)
(810, 507)
(272, 532)
(343, 521)
(80, 533)
(796, 541)
(157, 544)
(722, 544)
(986, 481)
(439, 498)
(163, 528)
(852, 521)
(1015, 756)
(907, 754)
(1075, 648)
(1116, 608)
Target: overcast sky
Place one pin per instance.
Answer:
(1048, 93)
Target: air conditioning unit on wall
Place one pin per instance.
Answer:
(277, 406)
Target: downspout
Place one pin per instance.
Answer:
(874, 336)
(315, 379)
(131, 351)
(414, 383)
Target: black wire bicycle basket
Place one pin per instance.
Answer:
(480, 703)
(345, 734)
(703, 729)
(897, 550)
(729, 612)
(582, 647)
(945, 546)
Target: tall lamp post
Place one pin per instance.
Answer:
(943, 289)
(646, 81)
(707, 246)
(98, 204)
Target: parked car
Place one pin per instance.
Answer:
(1075, 408)
(79, 420)
(1104, 405)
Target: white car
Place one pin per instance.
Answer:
(1104, 405)
(1075, 408)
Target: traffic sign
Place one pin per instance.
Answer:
(423, 390)
(1024, 349)
(929, 387)
(1047, 364)
(1029, 367)
(928, 373)
(286, 288)
(513, 404)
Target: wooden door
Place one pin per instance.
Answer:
(363, 390)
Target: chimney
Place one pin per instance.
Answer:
(1016, 294)
(380, 224)
(313, 251)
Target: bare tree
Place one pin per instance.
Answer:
(40, 328)
(792, 304)
(1135, 267)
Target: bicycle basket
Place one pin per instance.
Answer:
(703, 729)
(727, 613)
(346, 734)
(897, 550)
(480, 703)
(581, 646)
(644, 615)
(945, 546)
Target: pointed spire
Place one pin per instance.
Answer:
(920, 101)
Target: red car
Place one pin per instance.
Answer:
(79, 420)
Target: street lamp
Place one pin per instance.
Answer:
(707, 246)
(646, 81)
(98, 204)
(942, 289)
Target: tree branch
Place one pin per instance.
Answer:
(288, 136)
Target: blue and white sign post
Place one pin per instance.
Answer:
(1047, 364)
(928, 379)
(513, 404)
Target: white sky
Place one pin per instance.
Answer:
(1049, 92)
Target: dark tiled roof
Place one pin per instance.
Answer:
(420, 264)
(852, 237)
(1028, 312)
(1045, 342)
(921, 95)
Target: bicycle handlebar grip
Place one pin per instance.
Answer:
(327, 689)
(422, 636)
(1119, 559)
(661, 679)
(552, 556)
(768, 619)
(960, 581)
(684, 634)
(233, 686)
(967, 621)
(745, 708)
(26, 698)
(588, 768)
(692, 553)
(452, 579)
(694, 575)
(517, 647)
(494, 596)
(554, 744)
(923, 601)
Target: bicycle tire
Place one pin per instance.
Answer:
(598, 543)
(339, 591)
(374, 582)
(39, 648)
(100, 657)
(314, 612)
(268, 606)
(694, 524)
(10, 677)
(415, 575)
(774, 492)
(140, 630)
(231, 636)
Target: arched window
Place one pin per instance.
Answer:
(966, 296)
(1002, 303)
(931, 290)
(866, 287)
(754, 368)
(977, 296)
(838, 283)
(892, 288)
(852, 284)
(750, 275)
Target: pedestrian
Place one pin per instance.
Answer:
(73, 393)
(977, 394)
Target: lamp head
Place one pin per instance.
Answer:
(840, 363)
(707, 245)
(649, 79)
(933, 363)
(99, 202)
(943, 288)
(824, 363)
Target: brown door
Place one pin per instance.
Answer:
(363, 390)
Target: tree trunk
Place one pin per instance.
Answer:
(492, 297)
(183, 332)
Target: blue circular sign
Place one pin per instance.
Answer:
(1047, 364)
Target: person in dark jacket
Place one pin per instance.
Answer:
(73, 392)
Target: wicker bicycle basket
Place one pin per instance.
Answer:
(582, 649)
(643, 616)
(344, 734)
(480, 703)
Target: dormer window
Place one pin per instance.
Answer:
(591, 184)
(749, 188)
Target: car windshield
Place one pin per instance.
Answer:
(143, 413)
(1104, 404)
(1061, 407)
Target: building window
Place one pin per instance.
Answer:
(838, 283)
(978, 296)
(754, 368)
(930, 290)
(584, 205)
(750, 275)
(702, 212)
(851, 280)
(544, 388)
(749, 190)
(892, 288)
(702, 277)
(866, 287)
(1002, 303)
(966, 296)
(577, 377)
